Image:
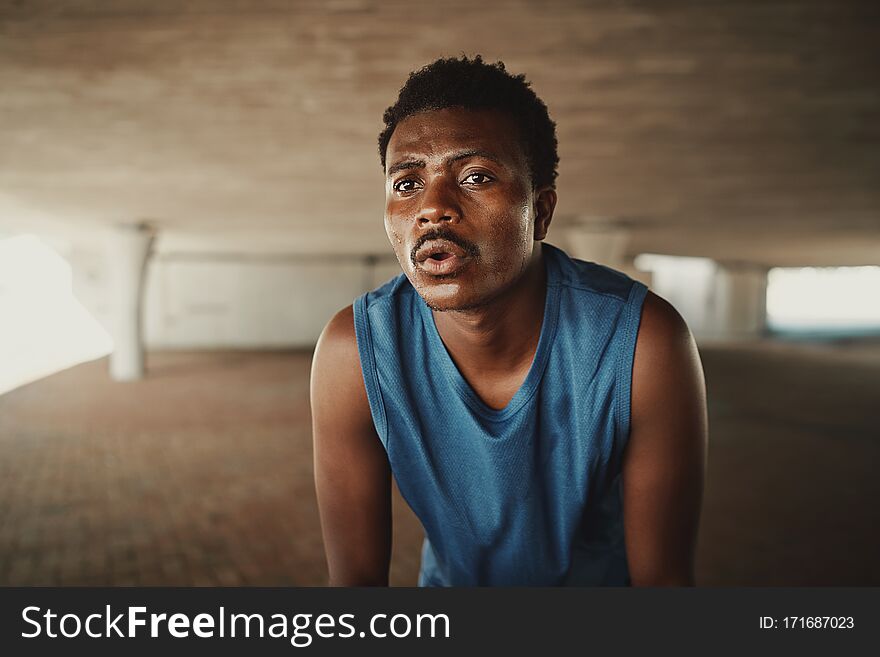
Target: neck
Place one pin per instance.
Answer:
(506, 330)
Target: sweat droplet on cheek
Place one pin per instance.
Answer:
(394, 237)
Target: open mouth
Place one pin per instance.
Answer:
(442, 264)
(440, 258)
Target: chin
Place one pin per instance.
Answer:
(438, 301)
(457, 291)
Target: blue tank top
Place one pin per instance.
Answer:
(529, 495)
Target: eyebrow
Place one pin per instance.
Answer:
(461, 155)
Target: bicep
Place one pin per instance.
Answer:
(352, 475)
(664, 462)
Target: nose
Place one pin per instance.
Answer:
(439, 204)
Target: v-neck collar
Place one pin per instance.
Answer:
(539, 361)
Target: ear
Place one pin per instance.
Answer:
(545, 203)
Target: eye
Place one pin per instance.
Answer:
(477, 178)
(406, 185)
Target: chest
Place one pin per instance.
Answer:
(495, 388)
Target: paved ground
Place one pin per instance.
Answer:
(202, 473)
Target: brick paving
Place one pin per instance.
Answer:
(201, 474)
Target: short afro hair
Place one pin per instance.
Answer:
(474, 84)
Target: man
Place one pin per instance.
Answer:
(544, 417)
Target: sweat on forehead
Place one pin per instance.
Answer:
(452, 135)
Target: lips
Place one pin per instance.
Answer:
(440, 257)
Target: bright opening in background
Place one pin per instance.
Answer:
(43, 328)
(824, 299)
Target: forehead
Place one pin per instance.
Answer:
(436, 133)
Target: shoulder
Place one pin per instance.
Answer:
(667, 372)
(589, 277)
(338, 341)
(661, 328)
(336, 369)
(389, 294)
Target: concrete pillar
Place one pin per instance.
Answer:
(740, 300)
(128, 251)
(604, 244)
(689, 285)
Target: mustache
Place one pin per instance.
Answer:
(444, 233)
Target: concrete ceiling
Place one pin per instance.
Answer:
(737, 130)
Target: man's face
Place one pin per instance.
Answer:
(459, 205)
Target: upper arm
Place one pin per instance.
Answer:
(665, 458)
(352, 475)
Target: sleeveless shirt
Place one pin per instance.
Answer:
(529, 495)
